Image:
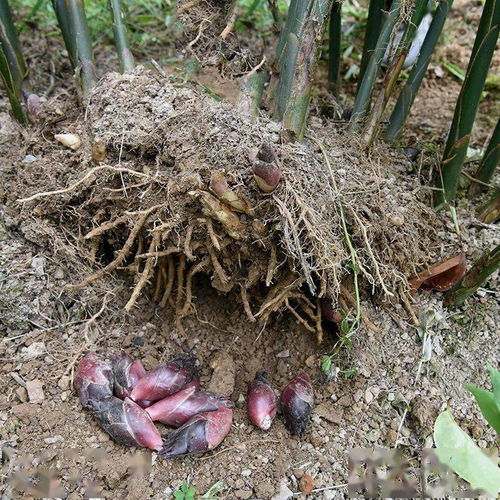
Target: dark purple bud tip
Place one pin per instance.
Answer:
(128, 424)
(127, 373)
(177, 409)
(296, 403)
(261, 401)
(166, 379)
(93, 380)
(201, 433)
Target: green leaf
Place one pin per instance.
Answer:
(345, 327)
(178, 495)
(458, 451)
(211, 494)
(487, 404)
(495, 381)
(353, 372)
(326, 364)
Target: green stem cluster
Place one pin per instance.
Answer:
(12, 66)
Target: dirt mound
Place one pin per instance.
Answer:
(151, 209)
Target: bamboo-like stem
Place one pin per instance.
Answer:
(392, 74)
(294, 89)
(335, 31)
(467, 104)
(120, 32)
(489, 162)
(288, 61)
(86, 68)
(362, 101)
(293, 24)
(474, 278)
(12, 66)
(373, 26)
(410, 89)
(64, 22)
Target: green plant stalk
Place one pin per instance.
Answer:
(410, 89)
(86, 68)
(12, 66)
(374, 24)
(467, 103)
(287, 72)
(474, 278)
(294, 22)
(489, 162)
(308, 43)
(335, 31)
(392, 74)
(365, 90)
(64, 21)
(120, 32)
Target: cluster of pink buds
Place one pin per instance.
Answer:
(296, 402)
(126, 400)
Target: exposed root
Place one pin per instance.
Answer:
(246, 304)
(106, 227)
(180, 282)
(218, 269)
(212, 235)
(187, 242)
(160, 278)
(352, 301)
(271, 268)
(88, 175)
(189, 284)
(146, 274)
(122, 254)
(298, 317)
(170, 280)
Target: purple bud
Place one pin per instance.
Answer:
(127, 423)
(127, 373)
(296, 403)
(202, 433)
(179, 408)
(165, 380)
(93, 380)
(261, 401)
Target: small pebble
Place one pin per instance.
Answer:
(35, 391)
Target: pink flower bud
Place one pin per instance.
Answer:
(202, 433)
(261, 401)
(165, 380)
(93, 380)
(127, 423)
(296, 403)
(179, 408)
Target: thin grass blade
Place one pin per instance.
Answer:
(489, 162)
